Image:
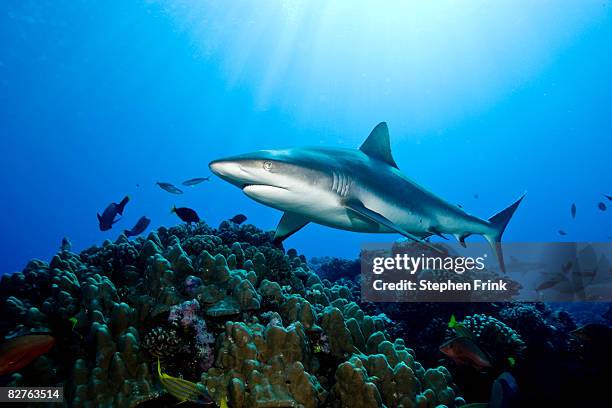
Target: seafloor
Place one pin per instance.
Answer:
(260, 327)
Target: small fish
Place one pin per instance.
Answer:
(186, 214)
(74, 321)
(107, 219)
(476, 196)
(183, 390)
(601, 206)
(194, 181)
(567, 267)
(139, 228)
(608, 197)
(464, 351)
(238, 219)
(608, 314)
(66, 244)
(594, 333)
(588, 273)
(452, 322)
(171, 188)
(561, 232)
(547, 284)
(573, 210)
(511, 362)
(19, 352)
(459, 328)
(504, 392)
(459, 205)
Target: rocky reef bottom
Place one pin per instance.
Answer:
(254, 326)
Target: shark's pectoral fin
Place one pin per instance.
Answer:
(358, 207)
(289, 224)
(437, 233)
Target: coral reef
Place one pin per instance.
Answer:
(499, 340)
(221, 307)
(334, 269)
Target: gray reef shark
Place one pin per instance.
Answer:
(356, 190)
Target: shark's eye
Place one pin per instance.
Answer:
(267, 165)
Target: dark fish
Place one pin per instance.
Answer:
(547, 284)
(573, 210)
(66, 244)
(19, 352)
(459, 328)
(602, 206)
(608, 197)
(476, 195)
(594, 333)
(183, 390)
(587, 274)
(464, 351)
(504, 392)
(186, 214)
(561, 232)
(608, 314)
(566, 268)
(139, 228)
(238, 219)
(194, 181)
(171, 188)
(107, 219)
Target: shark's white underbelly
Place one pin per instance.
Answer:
(337, 215)
(326, 208)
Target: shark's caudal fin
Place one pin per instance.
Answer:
(498, 225)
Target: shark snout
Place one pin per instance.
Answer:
(224, 167)
(231, 171)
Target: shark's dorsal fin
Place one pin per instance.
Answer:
(377, 145)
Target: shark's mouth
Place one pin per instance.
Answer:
(267, 194)
(247, 186)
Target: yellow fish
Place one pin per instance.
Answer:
(183, 390)
(459, 328)
(74, 322)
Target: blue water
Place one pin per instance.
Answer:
(487, 98)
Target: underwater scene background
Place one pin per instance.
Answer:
(102, 100)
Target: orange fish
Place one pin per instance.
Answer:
(19, 352)
(464, 351)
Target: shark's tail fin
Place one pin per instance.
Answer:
(498, 225)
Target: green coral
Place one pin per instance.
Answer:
(283, 337)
